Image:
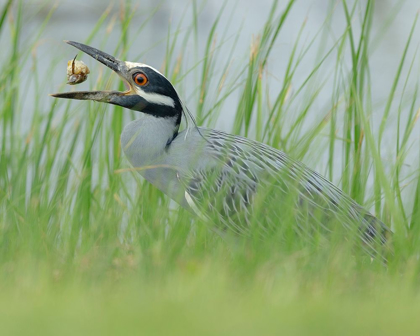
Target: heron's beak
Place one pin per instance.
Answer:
(112, 97)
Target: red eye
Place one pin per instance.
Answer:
(140, 79)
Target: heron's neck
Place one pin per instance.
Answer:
(145, 139)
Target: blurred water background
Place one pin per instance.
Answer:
(241, 20)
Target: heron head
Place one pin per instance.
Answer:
(148, 90)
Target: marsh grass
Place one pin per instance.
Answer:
(86, 244)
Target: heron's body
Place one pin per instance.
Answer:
(155, 162)
(191, 165)
(236, 180)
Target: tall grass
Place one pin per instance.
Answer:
(83, 239)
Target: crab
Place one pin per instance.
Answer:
(77, 72)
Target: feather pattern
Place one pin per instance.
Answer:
(233, 177)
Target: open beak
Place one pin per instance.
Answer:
(112, 97)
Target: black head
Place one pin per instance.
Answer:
(148, 90)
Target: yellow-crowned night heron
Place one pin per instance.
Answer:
(235, 179)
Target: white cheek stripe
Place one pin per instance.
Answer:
(155, 98)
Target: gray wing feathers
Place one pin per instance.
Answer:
(241, 169)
